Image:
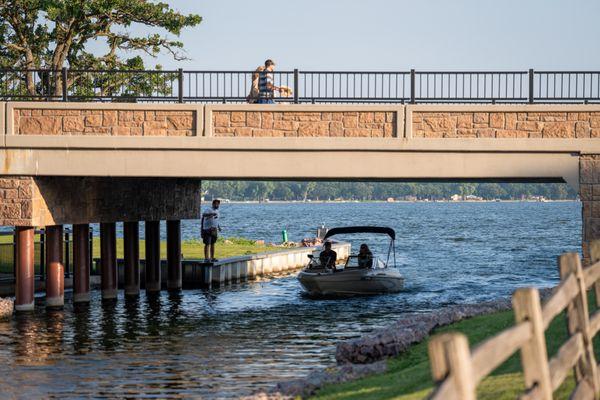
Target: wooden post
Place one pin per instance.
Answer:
(534, 355)
(594, 258)
(437, 357)
(451, 359)
(578, 311)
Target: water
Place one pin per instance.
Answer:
(230, 342)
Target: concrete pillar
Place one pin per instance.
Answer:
(25, 273)
(108, 260)
(152, 269)
(81, 263)
(174, 255)
(55, 269)
(131, 239)
(589, 185)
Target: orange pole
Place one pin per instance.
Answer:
(25, 273)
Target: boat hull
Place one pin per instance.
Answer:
(351, 282)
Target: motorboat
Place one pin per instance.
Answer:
(356, 275)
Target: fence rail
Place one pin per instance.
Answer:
(458, 370)
(307, 86)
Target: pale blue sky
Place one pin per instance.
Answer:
(393, 34)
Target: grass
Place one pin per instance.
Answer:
(191, 249)
(408, 376)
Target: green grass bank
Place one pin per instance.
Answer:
(191, 249)
(409, 378)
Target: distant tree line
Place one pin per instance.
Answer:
(262, 190)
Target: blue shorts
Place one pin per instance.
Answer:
(265, 101)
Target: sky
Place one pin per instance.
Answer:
(391, 34)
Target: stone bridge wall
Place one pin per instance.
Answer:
(102, 120)
(304, 124)
(549, 124)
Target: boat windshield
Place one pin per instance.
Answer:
(354, 261)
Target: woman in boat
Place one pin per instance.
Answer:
(365, 257)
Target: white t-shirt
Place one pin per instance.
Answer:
(211, 219)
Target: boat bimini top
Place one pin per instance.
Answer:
(361, 229)
(367, 229)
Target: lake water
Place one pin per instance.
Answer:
(230, 342)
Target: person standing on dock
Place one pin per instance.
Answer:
(209, 228)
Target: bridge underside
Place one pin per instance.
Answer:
(118, 162)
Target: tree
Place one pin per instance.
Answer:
(53, 34)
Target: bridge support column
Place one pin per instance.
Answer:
(81, 263)
(152, 268)
(25, 274)
(589, 193)
(108, 260)
(131, 238)
(174, 255)
(55, 269)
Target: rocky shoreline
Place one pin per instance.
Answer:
(6, 308)
(367, 355)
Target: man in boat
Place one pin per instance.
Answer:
(209, 228)
(328, 257)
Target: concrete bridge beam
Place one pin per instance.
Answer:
(25, 273)
(81, 263)
(55, 269)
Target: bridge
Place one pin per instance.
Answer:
(77, 162)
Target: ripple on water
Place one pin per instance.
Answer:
(224, 343)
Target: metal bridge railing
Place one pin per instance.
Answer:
(308, 86)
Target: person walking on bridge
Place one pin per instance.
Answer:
(266, 87)
(209, 228)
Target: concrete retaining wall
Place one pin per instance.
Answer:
(235, 269)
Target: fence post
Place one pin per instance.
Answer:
(450, 358)
(64, 76)
(594, 258)
(180, 85)
(412, 86)
(531, 76)
(534, 355)
(578, 319)
(296, 85)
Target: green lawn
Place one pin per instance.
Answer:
(409, 376)
(191, 249)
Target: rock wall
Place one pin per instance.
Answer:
(304, 124)
(42, 201)
(104, 122)
(16, 201)
(589, 193)
(506, 124)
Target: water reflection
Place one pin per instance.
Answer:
(227, 342)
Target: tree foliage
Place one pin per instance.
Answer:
(52, 34)
(236, 190)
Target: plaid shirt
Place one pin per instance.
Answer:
(265, 79)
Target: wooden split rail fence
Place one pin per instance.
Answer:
(458, 370)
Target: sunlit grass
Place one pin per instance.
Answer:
(408, 376)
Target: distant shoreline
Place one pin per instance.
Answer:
(395, 201)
